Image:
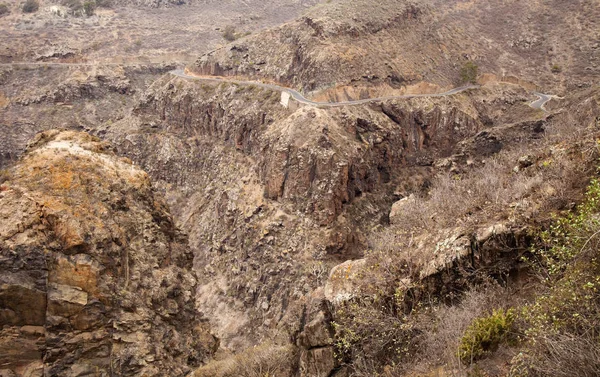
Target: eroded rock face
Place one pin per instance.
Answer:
(271, 197)
(95, 278)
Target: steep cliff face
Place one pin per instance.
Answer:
(271, 197)
(95, 277)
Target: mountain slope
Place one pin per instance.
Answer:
(401, 42)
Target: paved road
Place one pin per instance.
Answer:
(300, 98)
(543, 99)
(538, 104)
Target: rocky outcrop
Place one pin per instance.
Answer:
(95, 278)
(318, 159)
(90, 83)
(293, 53)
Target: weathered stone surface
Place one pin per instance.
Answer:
(397, 207)
(317, 362)
(344, 281)
(94, 277)
(317, 333)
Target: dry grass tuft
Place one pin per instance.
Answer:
(567, 356)
(266, 360)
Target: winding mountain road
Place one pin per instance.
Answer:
(300, 98)
(538, 104)
(541, 102)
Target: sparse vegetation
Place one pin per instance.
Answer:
(267, 360)
(562, 328)
(469, 72)
(487, 189)
(445, 327)
(465, 200)
(485, 334)
(4, 175)
(31, 6)
(370, 332)
(4, 9)
(286, 194)
(556, 68)
(89, 7)
(230, 34)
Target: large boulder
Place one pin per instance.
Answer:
(95, 279)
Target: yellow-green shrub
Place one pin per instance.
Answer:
(485, 334)
(562, 325)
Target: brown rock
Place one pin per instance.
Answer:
(88, 286)
(317, 333)
(317, 362)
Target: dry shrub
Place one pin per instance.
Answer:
(492, 190)
(447, 324)
(230, 34)
(266, 360)
(4, 9)
(371, 334)
(562, 325)
(568, 356)
(4, 175)
(31, 6)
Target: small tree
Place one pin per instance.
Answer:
(89, 7)
(4, 9)
(468, 73)
(229, 33)
(31, 6)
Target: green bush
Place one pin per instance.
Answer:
(556, 68)
(469, 72)
(562, 324)
(89, 7)
(485, 334)
(571, 237)
(31, 6)
(230, 34)
(4, 9)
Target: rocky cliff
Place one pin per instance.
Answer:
(273, 197)
(95, 277)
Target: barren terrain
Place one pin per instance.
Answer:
(284, 188)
